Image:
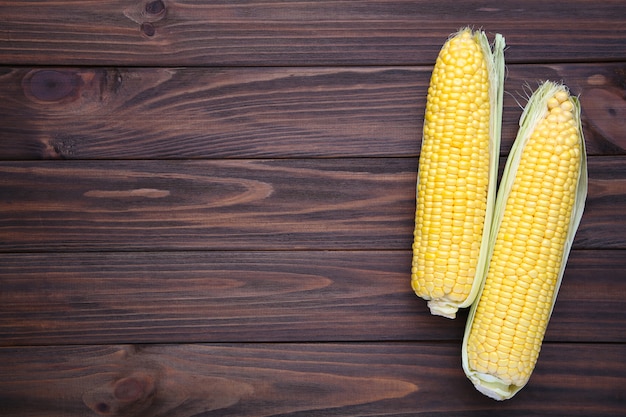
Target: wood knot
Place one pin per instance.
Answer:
(148, 29)
(155, 8)
(605, 115)
(132, 389)
(147, 14)
(62, 89)
(127, 396)
(52, 86)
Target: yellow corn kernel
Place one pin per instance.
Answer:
(536, 219)
(457, 170)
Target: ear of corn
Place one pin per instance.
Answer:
(538, 209)
(457, 173)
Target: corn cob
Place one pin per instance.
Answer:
(457, 170)
(538, 209)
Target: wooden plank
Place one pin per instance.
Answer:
(591, 293)
(604, 207)
(211, 297)
(217, 205)
(208, 113)
(280, 32)
(391, 379)
(265, 296)
(156, 113)
(363, 203)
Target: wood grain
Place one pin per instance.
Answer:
(177, 113)
(280, 32)
(207, 205)
(273, 296)
(391, 379)
(604, 208)
(292, 204)
(206, 208)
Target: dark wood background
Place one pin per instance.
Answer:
(206, 208)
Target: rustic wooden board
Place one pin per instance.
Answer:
(264, 296)
(390, 379)
(241, 173)
(208, 205)
(281, 32)
(166, 113)
(291, 204)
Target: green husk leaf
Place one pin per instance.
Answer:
(534, 111)
(496, 70)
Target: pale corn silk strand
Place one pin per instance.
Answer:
(506, 329)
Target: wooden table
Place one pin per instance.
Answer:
(207, 208)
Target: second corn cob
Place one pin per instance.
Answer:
(538, 209)
(457, 171)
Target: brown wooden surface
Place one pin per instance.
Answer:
(279, 204)
(285, 32)
(265, 296)
(336, 379)
(206, 208)
(179, 113)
